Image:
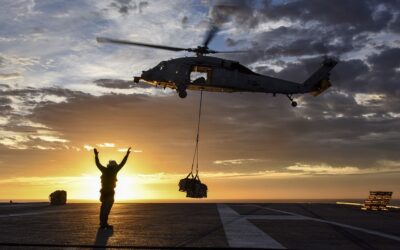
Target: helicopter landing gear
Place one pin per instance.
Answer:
(181, 91)
(294, 103)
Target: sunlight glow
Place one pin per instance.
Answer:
(127, 189)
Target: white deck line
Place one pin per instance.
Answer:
(364, 230)
(241, 233)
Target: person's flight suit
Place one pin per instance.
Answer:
(108, 183)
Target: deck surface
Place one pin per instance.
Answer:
(273, 226)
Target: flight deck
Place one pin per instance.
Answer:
(199, 225)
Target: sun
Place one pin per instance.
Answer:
(127, 188)
(88, 188)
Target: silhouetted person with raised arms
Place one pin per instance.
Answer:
(108, 183)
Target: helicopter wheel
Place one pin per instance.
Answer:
(294, 103)
(182, 93)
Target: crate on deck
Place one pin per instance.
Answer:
(377, 200)
(58, 197)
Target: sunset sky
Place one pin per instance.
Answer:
(62, 93)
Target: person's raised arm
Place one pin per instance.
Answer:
(125, 159)
(96, 158)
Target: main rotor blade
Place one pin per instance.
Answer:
(231, 51)
(110, 40)
(210, 35)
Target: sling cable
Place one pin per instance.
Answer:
(192, 184)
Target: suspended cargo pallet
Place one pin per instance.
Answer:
(193, 187)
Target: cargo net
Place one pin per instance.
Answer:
(193, 187)
(192, 184)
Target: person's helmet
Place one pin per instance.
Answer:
(112, 163)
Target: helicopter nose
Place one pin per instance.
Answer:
(145, 74)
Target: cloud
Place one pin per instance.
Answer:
(369, 99)
(3, 121)
(132, 150)
(239, 11)
(394, 26)
(254, 122)
(18, 129)
(44, 147)
(106, 145)
(126, 6)
(142, 5)
(323, 169)
(114, 83)
(49, 138)
(386, 61)
(5, 105)
(309, 30)
(389, 163)
(25, 140)
(122, 86)
(184, 21)
(14, 140)
(22, 61)
(88, 147)
(9, 76)
(365, 14)
(235, 162)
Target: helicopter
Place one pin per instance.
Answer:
(207, 73)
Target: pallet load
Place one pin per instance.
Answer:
(193, 187)
(58, 197)
(377, 200)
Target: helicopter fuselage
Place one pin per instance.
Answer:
(220, 75)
